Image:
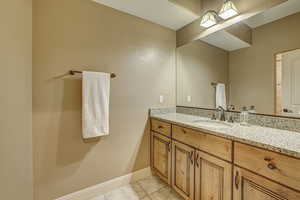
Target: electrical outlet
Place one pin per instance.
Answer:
(189, 98)
(161, 99)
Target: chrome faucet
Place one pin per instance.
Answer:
(221, 111)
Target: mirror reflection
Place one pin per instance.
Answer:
(288, 83)
(253, 65)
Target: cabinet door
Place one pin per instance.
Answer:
(183, 170)
(248, 186)
(161, 156)
(213, 178)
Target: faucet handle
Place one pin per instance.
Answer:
(213, 117)
(231, 107)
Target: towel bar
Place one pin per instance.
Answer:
(73, 72)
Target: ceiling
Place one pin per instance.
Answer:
(160, 12)
(285, 9)
(225, 40)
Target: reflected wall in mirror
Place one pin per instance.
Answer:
(198, 65)
(248, 71)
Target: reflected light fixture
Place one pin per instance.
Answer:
(228, 10)
(209, 19)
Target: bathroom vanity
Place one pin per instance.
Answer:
(224, 163)
(257, 84)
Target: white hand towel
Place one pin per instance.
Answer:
(221, 95)
(95, 104)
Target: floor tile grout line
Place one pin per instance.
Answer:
(137, 182)
(149, 194)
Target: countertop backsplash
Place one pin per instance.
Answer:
(154, 111)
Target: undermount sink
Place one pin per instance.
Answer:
(212, 124)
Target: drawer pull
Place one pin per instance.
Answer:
(237, 180)
(160, 127)
(271, 166)
(184, 131)
(192, 157)
(197, 160)
(169, 146)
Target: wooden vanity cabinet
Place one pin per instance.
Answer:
(249, 186)
(161, 156)
(213, 178)
(200, 166)
(280, 168)
(183, 168)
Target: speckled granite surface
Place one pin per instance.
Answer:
(282, 141)
(255, 119)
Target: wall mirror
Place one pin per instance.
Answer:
(257, 61)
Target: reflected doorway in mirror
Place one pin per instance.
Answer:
(288, 83)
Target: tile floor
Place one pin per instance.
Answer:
(151, 188)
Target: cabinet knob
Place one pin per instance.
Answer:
(160, 127)
(184, 131)
(272, 166)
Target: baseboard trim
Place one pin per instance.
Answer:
(105, 187)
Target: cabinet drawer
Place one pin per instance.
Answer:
(280, 168)
(217, 146)
(161, 127)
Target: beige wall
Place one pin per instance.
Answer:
(15, 100)
(252, 70)
(199, 64)
(70, 34)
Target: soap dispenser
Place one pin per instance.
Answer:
(244, 115)
(252, 109)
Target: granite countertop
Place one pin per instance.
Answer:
(282, 141)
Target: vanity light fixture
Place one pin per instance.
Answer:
(228, 10)
(209, 19)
